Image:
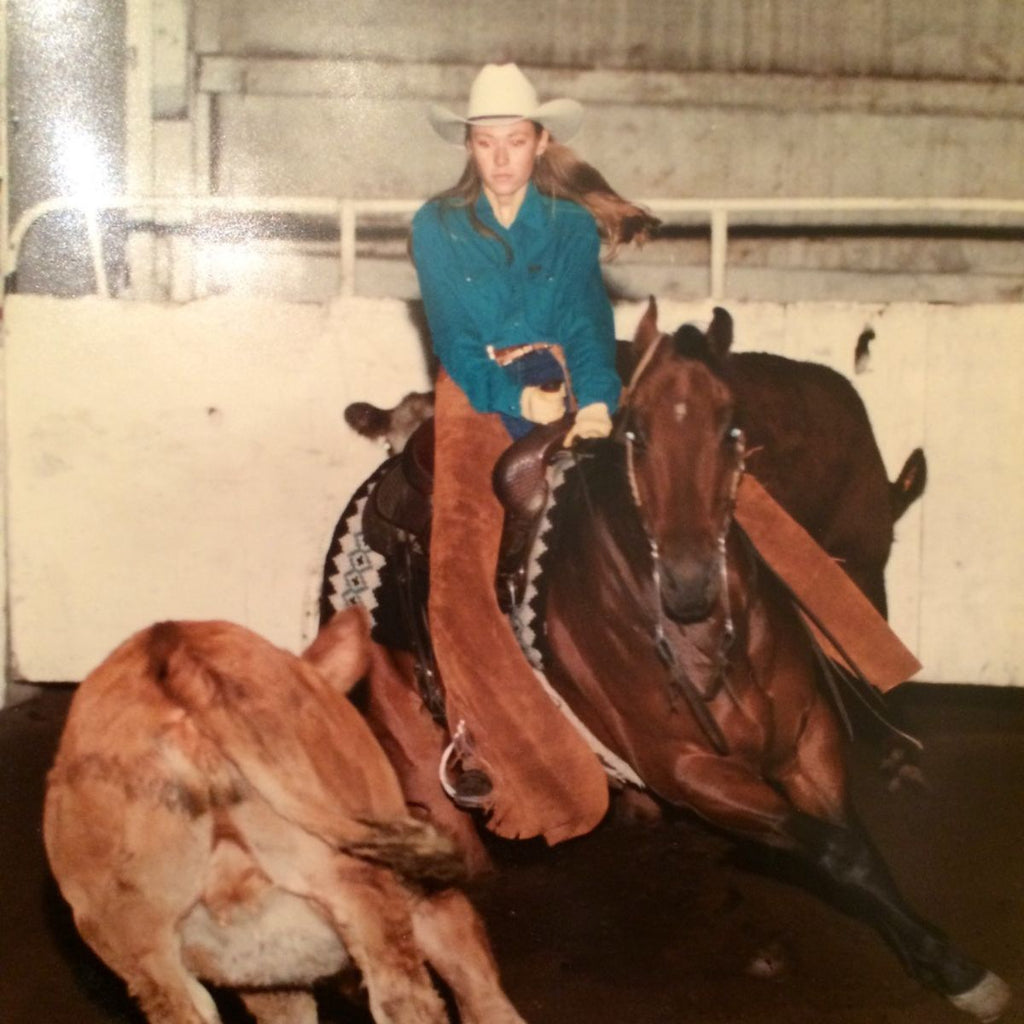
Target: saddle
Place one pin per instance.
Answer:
(396, 521)
(396, 524)
(520, 481)
(397, 514)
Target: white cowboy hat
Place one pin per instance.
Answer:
(502, 94)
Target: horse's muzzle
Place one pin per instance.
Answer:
(689, 592)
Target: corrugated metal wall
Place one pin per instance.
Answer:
(976, 40)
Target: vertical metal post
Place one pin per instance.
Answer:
(99, 266)
(7, 256)
(347, 226)
(719, 242)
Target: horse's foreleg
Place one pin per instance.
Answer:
(828, 834)
(732, 795)
(845, 855)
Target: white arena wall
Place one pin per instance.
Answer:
(189, 461)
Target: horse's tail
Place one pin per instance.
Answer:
(909, 484)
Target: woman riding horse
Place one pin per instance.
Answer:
(508, 265)
(679, 652)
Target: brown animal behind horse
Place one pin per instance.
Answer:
(795, 402)
(809, 442)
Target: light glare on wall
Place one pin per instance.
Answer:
(83, 171)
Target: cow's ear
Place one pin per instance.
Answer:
(367, 420)
(720, 332)
(647, 330)
(341, 652)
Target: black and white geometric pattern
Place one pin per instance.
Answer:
(528, 617)
(353, 572)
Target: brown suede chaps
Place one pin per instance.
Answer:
(547, 781)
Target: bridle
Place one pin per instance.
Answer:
(680, 683)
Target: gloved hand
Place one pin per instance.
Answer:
(591, 421)
(540, 406)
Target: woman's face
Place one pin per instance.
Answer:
(504, 154)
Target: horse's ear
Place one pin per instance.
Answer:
(720, 332)
(647, 330)
(367, 419)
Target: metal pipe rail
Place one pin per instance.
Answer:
(347, 212)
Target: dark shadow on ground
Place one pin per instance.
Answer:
(645, 924)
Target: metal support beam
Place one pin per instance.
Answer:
(349, 213)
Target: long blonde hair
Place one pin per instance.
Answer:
(561, 174)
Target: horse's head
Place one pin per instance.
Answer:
(684, 457)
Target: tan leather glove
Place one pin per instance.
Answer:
(540, 406)
(591, 421)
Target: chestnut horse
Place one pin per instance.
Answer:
(685, 659)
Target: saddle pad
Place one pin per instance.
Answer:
(356, 574)
(528, 617)
(528, 624)
(353, 570)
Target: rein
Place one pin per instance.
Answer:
(679, 682)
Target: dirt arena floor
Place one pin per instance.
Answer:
(639, 924)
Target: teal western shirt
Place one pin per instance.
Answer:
(551, 290)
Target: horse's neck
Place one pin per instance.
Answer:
(599, 523)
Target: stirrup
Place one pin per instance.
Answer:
(471, 788)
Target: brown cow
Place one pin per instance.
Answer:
(219, 810)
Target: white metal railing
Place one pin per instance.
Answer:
(349, 211)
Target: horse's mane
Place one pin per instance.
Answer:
(597, 480)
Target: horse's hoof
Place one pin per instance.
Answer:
(987, 1000)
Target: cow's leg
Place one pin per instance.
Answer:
(293, 1006)
(368, 907)
(144, 950)
(372, 913)
(452, 936)
(130, 870)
